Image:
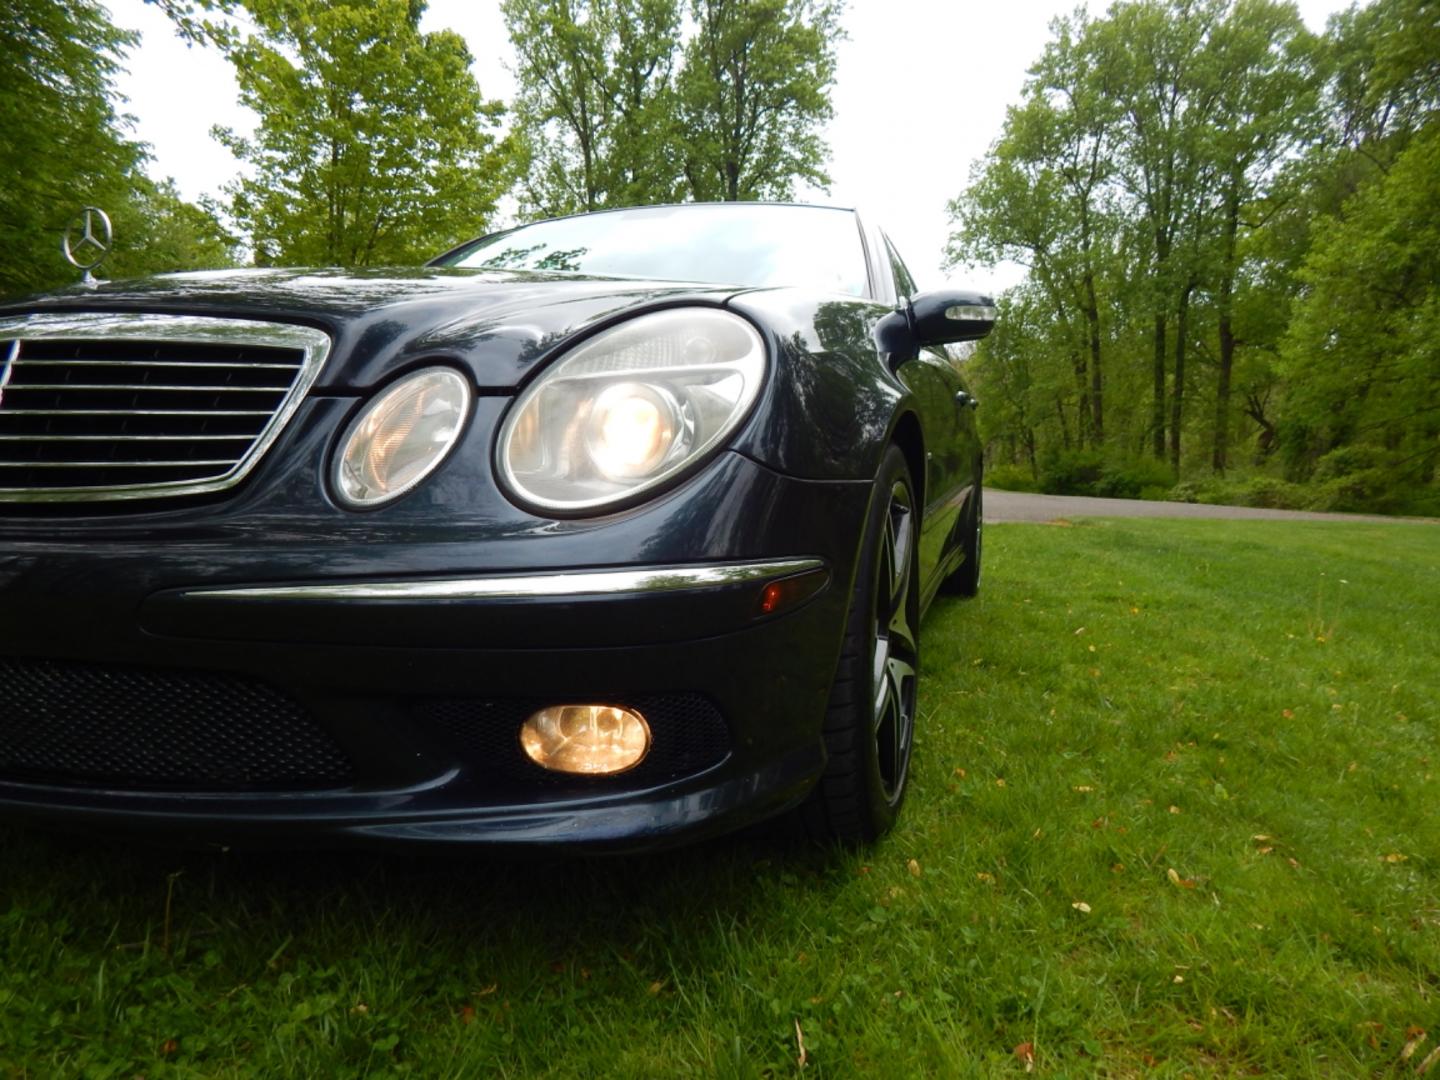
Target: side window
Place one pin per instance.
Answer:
(904, 283)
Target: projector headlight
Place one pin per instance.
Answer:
(630, 409)
(401, 436)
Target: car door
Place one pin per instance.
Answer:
(949, 425)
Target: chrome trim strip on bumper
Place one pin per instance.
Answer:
(126, 326)
(506, 587)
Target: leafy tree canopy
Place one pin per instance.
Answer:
(374, 142)
(596, 108)
(63, 145)
(1233, 219)
(754, 96)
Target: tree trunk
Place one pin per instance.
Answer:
(1265, 441)
(1082, 411)
(1218, 458)
(1092, 319)
(1158, 405)
(1177, 394)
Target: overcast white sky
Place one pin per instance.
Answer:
(920, 94)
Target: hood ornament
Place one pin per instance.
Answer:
(87, 250)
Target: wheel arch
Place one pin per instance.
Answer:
(907, 435)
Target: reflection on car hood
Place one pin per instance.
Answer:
(496, 323)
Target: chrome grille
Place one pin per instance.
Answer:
(137, 406)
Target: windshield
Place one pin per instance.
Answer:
(753, 244)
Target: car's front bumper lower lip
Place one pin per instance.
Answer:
(435, 816)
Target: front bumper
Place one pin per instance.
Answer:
(413, 651)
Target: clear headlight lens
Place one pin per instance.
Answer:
(401, 436)
(630, 408)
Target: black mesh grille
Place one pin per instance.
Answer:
(102, 414)
(688, 735)
(138, 727)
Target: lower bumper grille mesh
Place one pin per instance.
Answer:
(139, 727)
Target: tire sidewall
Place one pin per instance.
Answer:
(882, 810)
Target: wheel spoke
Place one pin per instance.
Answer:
(878, 675)
(900, 632)
(893, 672)
(902, 528)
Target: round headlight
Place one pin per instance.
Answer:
(401, 436)
(630, 409)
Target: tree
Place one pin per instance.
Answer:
(1361, 351)
(156, 231)
(374, 143)
(1041, 200)
(754, 93)
(596, 103)
(1148, 52)
(63, 145)
(1261, 59)
(1202, 187)
(61, 141)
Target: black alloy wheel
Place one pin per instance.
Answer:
(870, 723)
(895, 643)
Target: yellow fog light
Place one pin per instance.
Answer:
(596, 740)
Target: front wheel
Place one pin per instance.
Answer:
(870, 720)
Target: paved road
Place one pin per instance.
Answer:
(1019, 506)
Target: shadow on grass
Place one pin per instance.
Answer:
(601, 902)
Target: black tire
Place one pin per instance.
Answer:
(965, 581)
(870, 720)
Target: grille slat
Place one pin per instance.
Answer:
(136, 412)
(119, 438)
(152, 363)
(148, 387)
(112, 464)
(133, 406)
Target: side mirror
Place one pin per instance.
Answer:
(948, 315)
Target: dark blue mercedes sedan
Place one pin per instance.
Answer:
(605, 532)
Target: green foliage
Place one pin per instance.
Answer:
(1231, 232)
(374, 143)
(1290, 720)
(1011, 478)
(754, 93)
(613, 112)
(61, 141)
(1129, 479)
(157, 231)
(1070, 472)
(195, 22)
(597, 103)
(63, 146)
(1363, 349)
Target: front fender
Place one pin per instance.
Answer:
(832, 401)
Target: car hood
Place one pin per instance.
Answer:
(497, 324)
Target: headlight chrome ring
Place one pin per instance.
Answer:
(629, 411)
(400, 437)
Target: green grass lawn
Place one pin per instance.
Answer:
(1175, 812)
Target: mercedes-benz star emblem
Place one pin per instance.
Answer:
(93, 244)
